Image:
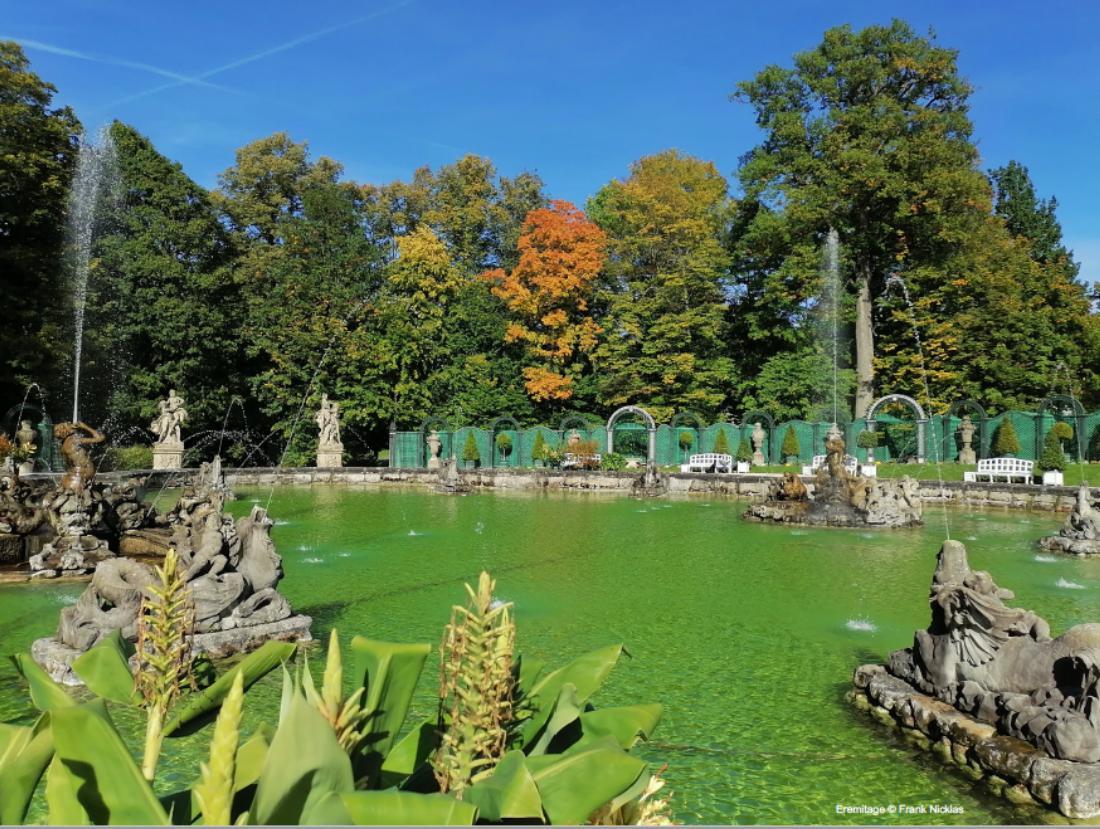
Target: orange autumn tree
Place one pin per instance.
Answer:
(560, 256)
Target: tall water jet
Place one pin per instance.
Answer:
(832, 286)
(96, 177)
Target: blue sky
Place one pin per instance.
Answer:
(572, 90)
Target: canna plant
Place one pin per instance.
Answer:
(509, 743)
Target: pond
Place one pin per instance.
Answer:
(747, 634)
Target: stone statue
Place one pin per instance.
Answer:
(81, 470)
(1000, 665)
(231, 568)
(834, 453)
(330, 451)
(574, 439)
(1080, 534)
(172, 415)
(328, 420)
(966, 432)
(434, 445)
(758, 436)
(168, 449)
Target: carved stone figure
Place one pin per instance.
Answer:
(74, 437)
(573, 440)
(758, 435)
(168, 449)
(330, 451)
(1000, 665)
(434, 445)
(168, 422)
(25, 436)
(1080, 534)
(232, 571)
(966, 433)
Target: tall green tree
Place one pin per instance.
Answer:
(1029, 217)
(869, 134)
(663, 287)
(37, 153)
(169, 310)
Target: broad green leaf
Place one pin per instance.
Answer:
(586, 672)
(627, 724)
(566, 710)
(394, 808)
(25, 752)
(528, 670)
(573, 786)
(46, 695)
(105, 669)
(410, 753)
(109, 785)
(250, 761)
(328, 810)
(254, 666)
(63, 807)
(304, 762)
(509, 793)
(389, 673)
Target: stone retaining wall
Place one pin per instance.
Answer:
(1009, 767)
(746, 486)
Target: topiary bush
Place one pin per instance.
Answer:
(470, 452)
(744, 451)
(504, 444)
(538, 448)
(1052, 458)
(790, 446)
(1005, 441)
(721, 443)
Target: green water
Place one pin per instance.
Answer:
(747, 634)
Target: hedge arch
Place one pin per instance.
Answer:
(1067, 406)
(513, 425)
(426, 426)
(749, 421)
(922, 418)
(575, 421)
(674, 425)
(967, 406)
(651, 431)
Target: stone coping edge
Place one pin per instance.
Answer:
(1009, 767)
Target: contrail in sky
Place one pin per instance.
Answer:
(273, 50)
(177, 78)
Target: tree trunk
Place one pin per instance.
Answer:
(865, 344)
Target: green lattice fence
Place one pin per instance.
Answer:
(899, 432)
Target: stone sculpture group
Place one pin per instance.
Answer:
(1080, 535)
(840, 498)
(1008, 699)
(231, 568)
(168, 449)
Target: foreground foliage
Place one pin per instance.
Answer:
(510, 743)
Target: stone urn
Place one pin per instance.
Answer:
(1053, 477)
(434, 445)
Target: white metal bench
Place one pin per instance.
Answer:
(708, 462)
(569, 460)
(1008, 469)
(851, 464)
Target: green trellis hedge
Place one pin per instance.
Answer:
(899, 443)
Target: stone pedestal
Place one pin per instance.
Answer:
(330, 456)
(967, 455)
(168, 455)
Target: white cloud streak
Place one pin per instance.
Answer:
(264, 53)
(178, 78)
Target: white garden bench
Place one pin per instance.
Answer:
(1009, 469)
(851, 463)
(708, 462)
(569, 460)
